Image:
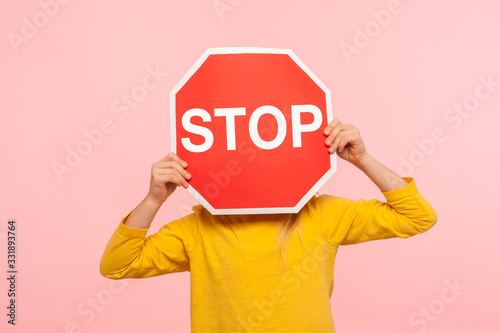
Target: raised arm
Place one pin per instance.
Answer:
(346, 139)
(129, 253)
(166, 175)
(345, 221)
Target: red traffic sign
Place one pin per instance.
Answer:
(249, 122)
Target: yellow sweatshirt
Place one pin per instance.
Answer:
(239, 283)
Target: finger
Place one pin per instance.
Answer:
(343, 142)
(346, 135)
(174, 165)
(330, 126)
(335, 143)
(177, 180)
(174, 157)
(169, 157)
(162, 166)
(172, 176)
(335, 131)
(339, 129)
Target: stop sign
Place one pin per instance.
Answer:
(249, 122)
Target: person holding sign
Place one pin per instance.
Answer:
(240, 282)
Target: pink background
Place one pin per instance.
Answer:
(66, 76)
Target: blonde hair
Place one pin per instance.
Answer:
(285, 230)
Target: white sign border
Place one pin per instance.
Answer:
(329, 115)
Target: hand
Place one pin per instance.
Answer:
(346, 140)
(166, 175)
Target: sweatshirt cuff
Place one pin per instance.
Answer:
(131, 232)
(397, 193)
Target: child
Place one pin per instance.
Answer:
(239, 283)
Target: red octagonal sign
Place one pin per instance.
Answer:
(249, 122)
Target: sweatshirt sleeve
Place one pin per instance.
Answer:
(130, 254)
(344, 221)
